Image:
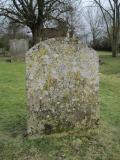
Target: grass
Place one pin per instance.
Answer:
(102, 144)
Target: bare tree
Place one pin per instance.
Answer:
(34, 13)
(113, 12)
(94, 23)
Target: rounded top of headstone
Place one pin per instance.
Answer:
(57, 52)
(58, 43)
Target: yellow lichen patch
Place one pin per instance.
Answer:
(70, 75)
(43, 52)
(51, 82)
(33, 56)
(69, 50)
(30, 65)
(83, 56)
(77, 76)
(66, 96)
(49, 67)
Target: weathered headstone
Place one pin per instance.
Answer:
(2, 50)
(18, 48)
(62, 86)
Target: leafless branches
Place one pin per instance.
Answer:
(34, 13)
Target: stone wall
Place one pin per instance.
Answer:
(62, 86)
(18, 48)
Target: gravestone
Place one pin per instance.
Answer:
(62, 86)
(18, 48)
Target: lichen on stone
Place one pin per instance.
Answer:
(62, 86)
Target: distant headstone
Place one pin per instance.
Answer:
(18, 48)
(2, 51)
(62, 87)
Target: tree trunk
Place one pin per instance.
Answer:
(115, 43)
(115, 39)
(36, 34)
(114, 47)
(118, 26)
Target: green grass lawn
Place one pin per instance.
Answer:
(102, 144)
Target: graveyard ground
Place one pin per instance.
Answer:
(101, 144)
